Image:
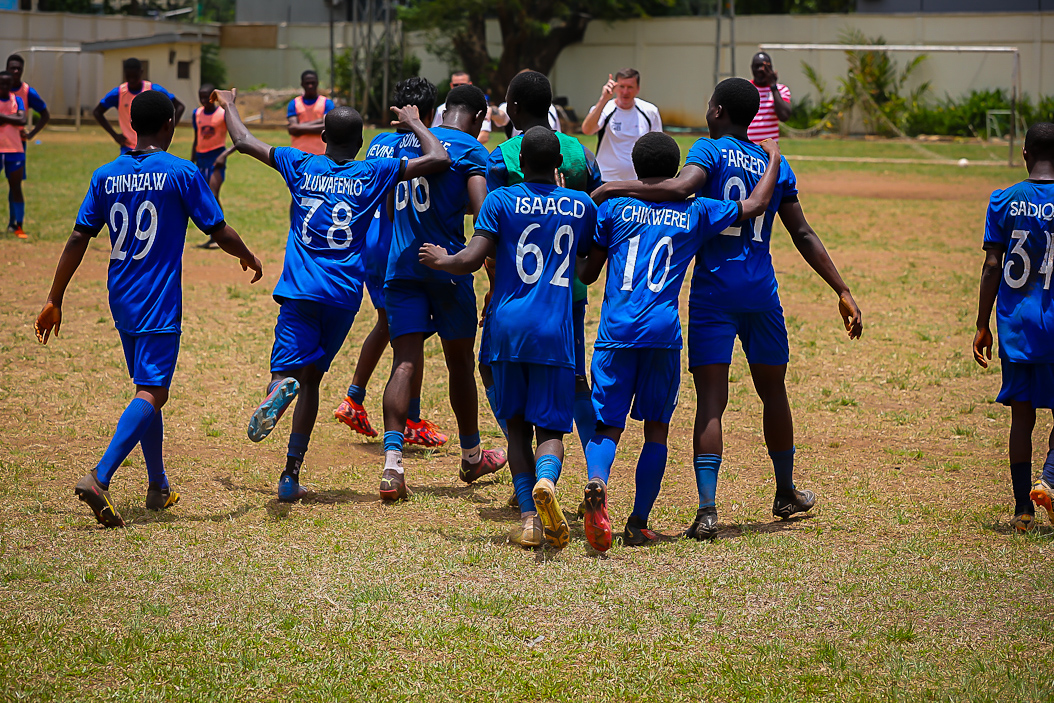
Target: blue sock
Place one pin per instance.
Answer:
(1048, 468)
(548, 466)
(18, 211)
(501, 423)
(151, 443)
(415, 410)
(585, 417)
(272, 385)
(600, 455)
(524, 484)
(783, 467)
(357, 393)
(469, 441)
(134, 422)
(706, 468)
(393, 441)
(650, 469)
(1021, 477)
(294, 456)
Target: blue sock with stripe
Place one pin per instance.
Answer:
(151, 443)
(1021, 478)
(1048, 468)
(651, 466)
(706, 468)
(524, 485)
(414, 413)
(548, 466)
(294, 456)
(585, 417)
(600, 455)
(783, 468)
(493, 408)
(134, 422)
(393, 441)
(357, 393)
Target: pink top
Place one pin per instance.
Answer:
(766, 125)
(311, 143)
(124, 111)
(10, 135)
(211, 129)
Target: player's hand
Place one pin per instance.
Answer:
(850, 313)
(223, 98)
(559, 178)
(255, 265)
(982, 347)
(405, 116)
(608, 91)
(431, 255)
(22, 134)
(769, 74)
(50, 318)
(220, 162)
(771, 148)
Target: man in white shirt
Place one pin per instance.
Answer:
(619, 123)
(462, 78)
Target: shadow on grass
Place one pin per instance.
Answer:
(742, 529)
(230, 485)
(1004, 528)
(465, 492)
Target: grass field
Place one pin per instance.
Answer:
(904, 584)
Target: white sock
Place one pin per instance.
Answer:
(393, 460)
(473, 455)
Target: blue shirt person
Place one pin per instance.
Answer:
(145, 198)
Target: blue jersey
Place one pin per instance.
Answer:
(1020, 222)
(332, 208)
(379, 234)
(432, 208)
(649, 247)
(538, 229)
(146, 199)
(734, 271)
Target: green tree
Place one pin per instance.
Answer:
(533, 32)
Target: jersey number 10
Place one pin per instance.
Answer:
(664, 244)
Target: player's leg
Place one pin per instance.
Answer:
(351, 411)
(16, 200)
(1042, 493)
(528, 532)
(711, 390)
(585, 416)
(1022, 423)
(614, 371)
(550, 408)
(407, 354)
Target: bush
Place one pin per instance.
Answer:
(966, 116)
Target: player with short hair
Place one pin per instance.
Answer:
(529, 97)
(120, 98)
(306, 116)
(32, 101)
(637, 356)
(420, 93)
(422, 301)
(1018, 251)
(734, 293)
(146, 197)
(207, 150)
(320, 290)
(12, 152)
(533, 230)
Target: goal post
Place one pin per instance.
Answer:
(1015, 75)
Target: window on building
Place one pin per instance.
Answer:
(183, 70)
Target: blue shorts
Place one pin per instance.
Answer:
(543, 395)
(308, 333)
(1027, 383)
(206, 164)
(444, 307)
(712, 335)
(376, 290)
(578, 317)
(647, 378)
(151, 358)
(13, 163)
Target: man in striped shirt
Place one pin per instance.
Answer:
(775, 100)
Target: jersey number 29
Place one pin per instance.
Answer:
(147, 209)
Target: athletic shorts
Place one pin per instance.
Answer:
(642, 383)
(375, 288)
(13, 162)
(712, 335)
(308, 332)
(151, 358)
(543, 395)
(444, 307)
(206, 162)
(578, 316)
(1027, 383)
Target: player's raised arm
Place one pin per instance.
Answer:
(814, 253)
(690, 180)
(50, 317)
(760, 197)
(243, 139)
(991, 272)
(433, 158)
(468, 260)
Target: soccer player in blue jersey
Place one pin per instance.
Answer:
(1019, 249)
(733, 293)
(636, 365)
(421, 94)
(146, 197)
(334, 198)
(421, 300)
(533, 230)
(529, 98)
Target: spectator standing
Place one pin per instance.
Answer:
(462, 78)
(619, 123)
(775, 100)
